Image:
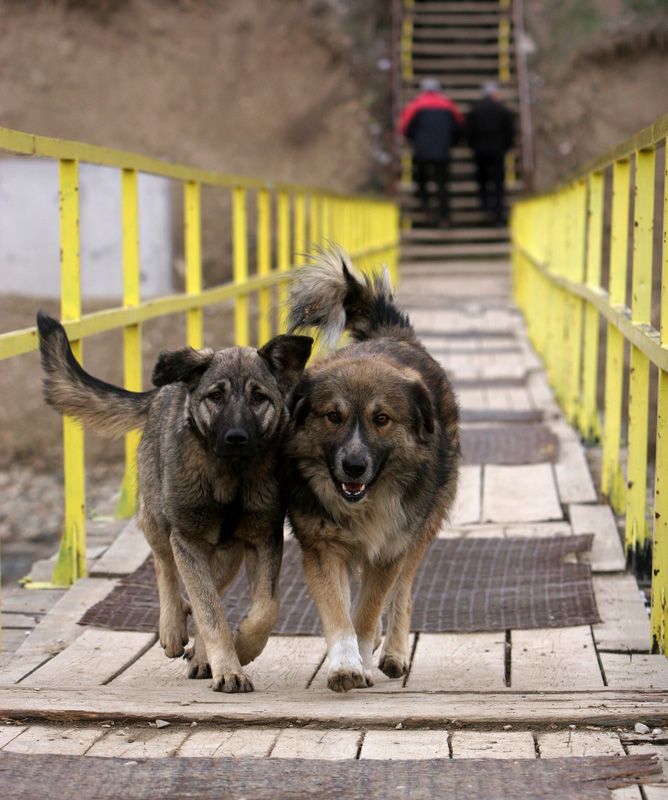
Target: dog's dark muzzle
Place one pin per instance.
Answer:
(235, 443)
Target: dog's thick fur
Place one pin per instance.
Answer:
(209, 491)
(373, 456)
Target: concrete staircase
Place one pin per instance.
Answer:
(458, 43)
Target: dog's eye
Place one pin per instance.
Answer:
(334, 417)
(259, 397)
(216, 396)
(381, 420)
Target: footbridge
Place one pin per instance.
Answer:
(543, 672)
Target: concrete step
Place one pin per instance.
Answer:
(480, 66)
(455, 48)
(460, 218)
(418, 236)
(481, 11)
(464, 97)
(447, 33)
(457, 189)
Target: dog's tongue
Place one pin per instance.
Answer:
(354, 488)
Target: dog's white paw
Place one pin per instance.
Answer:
(346, 670)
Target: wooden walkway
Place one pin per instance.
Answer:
(513, 694)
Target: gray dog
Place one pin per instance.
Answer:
(208, 477)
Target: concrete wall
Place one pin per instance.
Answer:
(29, 230)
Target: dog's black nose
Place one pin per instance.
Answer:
(236, 436)
(354, 466)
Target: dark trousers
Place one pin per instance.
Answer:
(490, 174)
(436, 171)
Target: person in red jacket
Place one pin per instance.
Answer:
(432, 123)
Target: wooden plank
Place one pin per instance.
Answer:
(458, 662)
(607, 554)
(92, 660)
(14, 621)
(467, 504)
(30, 601)
(654, 791)
(329, 745)
(625, 626)
(140, 743)
(57, 629)
(229, 743)
(382, 745)
(567, 743)
(54, 739)
(493, 744)
(573, 477)
(125, 555)
(524, 493)
(9, 732)
(286, 663)
(631, 670)
(362, 707)
(554, 658)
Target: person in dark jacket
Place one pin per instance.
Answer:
(432, 123)
(490, 131)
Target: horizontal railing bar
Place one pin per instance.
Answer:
(645, 337)
(16, 343)
(43, 146)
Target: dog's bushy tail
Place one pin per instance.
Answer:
(107, 409)
(330, 295)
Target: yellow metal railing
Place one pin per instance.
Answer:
(568, 292)
(304, 217)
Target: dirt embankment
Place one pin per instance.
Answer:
(598, 75)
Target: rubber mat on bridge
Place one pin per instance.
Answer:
(25, 777)
(519, 443)
(463, 584)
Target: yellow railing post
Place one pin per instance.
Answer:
(589, 421)
(71, 559)
(264, 324)
(192, 221)
(240, 264)
(637, 533)
(127, 504)
(612, 479)
(575, 270)
(504, 42)
(299, 236)
(660, 537)
(283, 253)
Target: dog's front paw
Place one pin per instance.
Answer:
(174, 638)
(343, 679)
(346, 670)
(198, 666)
(394, 666)
(249, 643)
(232, 682)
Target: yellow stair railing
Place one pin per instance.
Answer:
(304, 217)
(567, 293)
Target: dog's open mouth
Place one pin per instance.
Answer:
(354, 491)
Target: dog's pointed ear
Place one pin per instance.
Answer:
(423, 410)
(286, 357)
(186, 365)
(300, 405)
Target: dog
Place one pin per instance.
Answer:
(209, 489)
(372, 461)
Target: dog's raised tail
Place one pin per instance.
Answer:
(329, 294)
(104, 408)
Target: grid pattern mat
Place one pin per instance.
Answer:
(25, 777)
(462, 585)
(510, 444)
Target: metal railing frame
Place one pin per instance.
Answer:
(305, 216)
(558, 242)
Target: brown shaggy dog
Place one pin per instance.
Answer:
(208, 481)
(373, 455)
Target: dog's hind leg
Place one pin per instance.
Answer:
(263, 565)
(173, 609)
(193, 560)
(377, 581)
(326, 575)
(224, 567)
